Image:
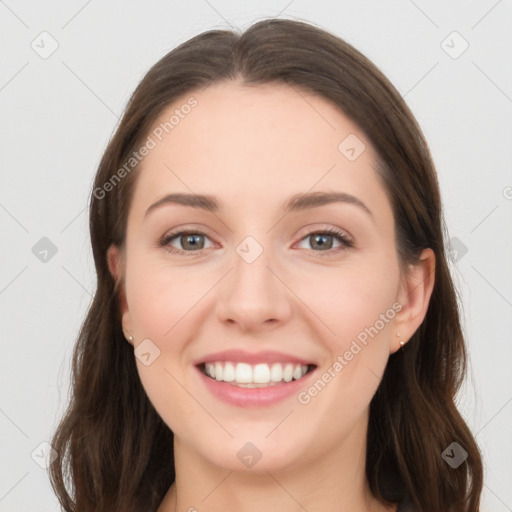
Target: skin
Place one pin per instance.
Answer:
(253, 147)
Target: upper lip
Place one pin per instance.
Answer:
(241, 356)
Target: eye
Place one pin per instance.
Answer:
(190, 241)
(323, 240)
(193, 241)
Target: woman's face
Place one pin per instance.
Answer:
(260, 279)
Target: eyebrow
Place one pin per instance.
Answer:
(297, 202)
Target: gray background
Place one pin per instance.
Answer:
(59, 112)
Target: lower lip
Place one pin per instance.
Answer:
(253, 397)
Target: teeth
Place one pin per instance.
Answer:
(229, 372)
(288, 372)
(218, 371)
(276, 372)
(243, 373)
(297, 372)
(261, 374)
(255, 376)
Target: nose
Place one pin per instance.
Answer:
(253, 296)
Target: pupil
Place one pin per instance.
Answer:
(189, 238)
(320, 237)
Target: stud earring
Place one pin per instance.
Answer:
(402, 342)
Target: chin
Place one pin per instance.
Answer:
(252, 454)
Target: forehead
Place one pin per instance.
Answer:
(254, 146)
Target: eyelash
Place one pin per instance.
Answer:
(338, 235)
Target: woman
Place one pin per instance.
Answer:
(275, 326)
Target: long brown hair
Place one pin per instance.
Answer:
(113, 448)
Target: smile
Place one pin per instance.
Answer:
(255, 376)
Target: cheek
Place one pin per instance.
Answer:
(161, 302)
(351, 299)
(357, 308)
(159, 297)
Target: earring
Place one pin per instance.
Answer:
(130, 339)
(402, 342)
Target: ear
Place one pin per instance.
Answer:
(414, 296)
(116, 267)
